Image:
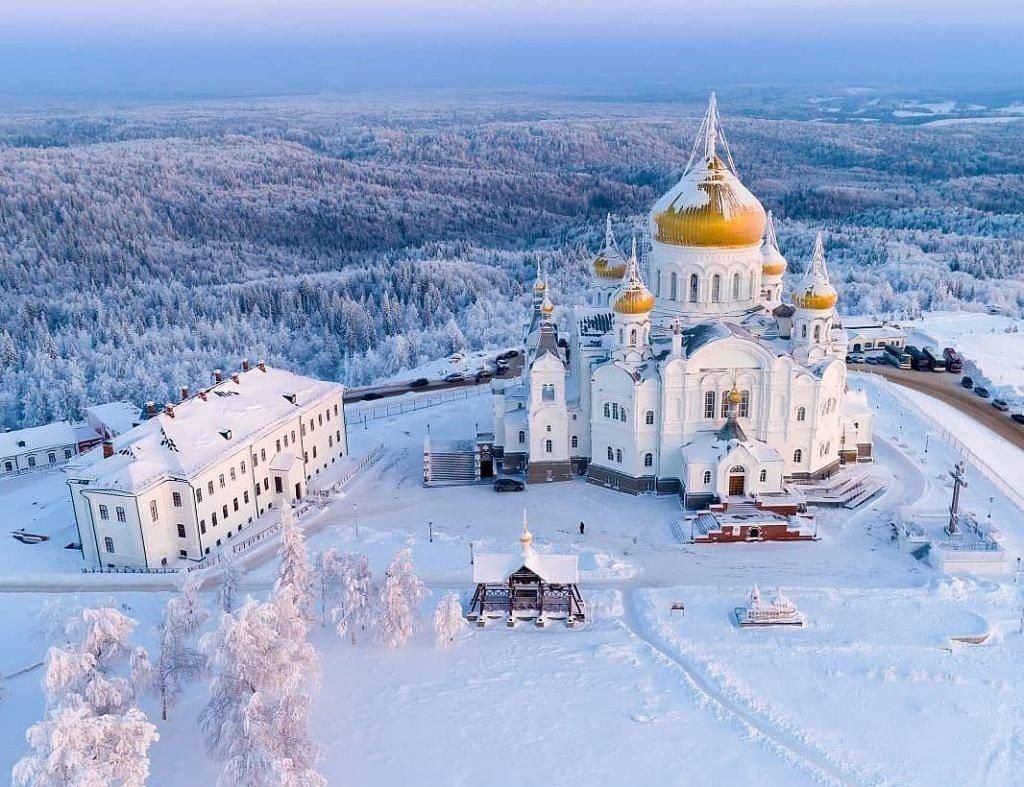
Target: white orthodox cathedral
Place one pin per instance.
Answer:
(699, 381)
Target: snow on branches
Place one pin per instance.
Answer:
(448, 621)
(181, 662)
(295, 576)
(92, 733)
(230, 577)
(400, 597)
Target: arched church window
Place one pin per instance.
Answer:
(716, 288)
(737, 469)
(672, 284)
(801, 413)
(725, 404)
(707, 476)
(618, 455)
(648, 460)
(744, 404)
(709, 404)
(694, 285)
(763, 476)
(522, 436)
(622, 335)
(622, 414)
(547, 392)
(615, 411)
(803, 331)
(735, 286)
(611, 454)
(548, 445)
(798, 456)
(817, 333)
(547, 428)
(649, 417)
(632, 337)
(607, 410)
(575, 441)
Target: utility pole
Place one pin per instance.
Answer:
(470, 553)
(959, 481)
(430, 530)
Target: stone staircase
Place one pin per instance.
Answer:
(849, 490)
(450, 465)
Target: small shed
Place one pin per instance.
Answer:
(526, 586)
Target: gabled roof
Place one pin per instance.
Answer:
(36, 438)
(489, 569)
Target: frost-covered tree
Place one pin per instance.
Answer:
(181, 661)
(257, 718)
(448, 621)
(231, 576)
(92, 733)
(329, 570)
(400, 597)
(355, 609)
(295, 575)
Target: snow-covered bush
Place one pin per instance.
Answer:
(400, 597)
(355, 608)
(180, 662)
(448, 621)
(329, 570)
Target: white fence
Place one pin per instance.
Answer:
(952, 440)
(360, 414)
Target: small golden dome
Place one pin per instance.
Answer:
(815, 299)
(709, 207)
(735, 397)
(604, 268)
(773, 263)
(547, 306)
(634, 301)
(539, 285)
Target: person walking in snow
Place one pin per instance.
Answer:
(581, 527)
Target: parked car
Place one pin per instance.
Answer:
(855, 358)
(982, 391)
(1018, 417)
(455, 377)
(967, 382)
(1000, 405)
(954, 363)
(371, 395)
(484, 374)
(505, 356)
(508, 485)
(873, 360)
(421, 382)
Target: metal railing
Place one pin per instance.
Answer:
(419, 402)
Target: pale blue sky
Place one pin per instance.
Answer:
(253, 46)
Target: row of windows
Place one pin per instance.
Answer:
(616, 413)
(710, 397)
(693, 290)
(615, 455)
(51, 457)
(119, 512)
(817, 332)
(574, 441)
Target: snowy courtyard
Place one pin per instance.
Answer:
(879, 687)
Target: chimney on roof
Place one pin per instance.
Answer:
(261, 365)
(218, 376)
(151, 408)
(169, 409)
(245, 364)
(235, 378)
(108, 449)
(184, 392)
(202, 395)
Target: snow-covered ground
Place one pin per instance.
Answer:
(871, 691)
(992, 348)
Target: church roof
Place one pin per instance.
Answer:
(731, 430)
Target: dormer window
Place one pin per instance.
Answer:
(292, 398)
(225, 433)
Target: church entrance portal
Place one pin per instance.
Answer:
(737, 485)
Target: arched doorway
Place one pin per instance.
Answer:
(737, 480)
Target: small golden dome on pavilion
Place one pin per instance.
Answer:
(612, 269)
(815, 291)
(772, 261)
(735, 397)
(633, 297)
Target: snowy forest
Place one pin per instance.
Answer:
(143, 247)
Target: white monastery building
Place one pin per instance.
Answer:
(700, 381)
(198, 472)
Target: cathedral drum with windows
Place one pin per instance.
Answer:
(705, 384)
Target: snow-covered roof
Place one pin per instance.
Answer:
(203, 431)
(36, 438)
(556, 569)
(284, 461)
(115, 417)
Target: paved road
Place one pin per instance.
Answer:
(946, 387)
(373, 392)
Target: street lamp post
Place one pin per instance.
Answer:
(926, 442)
(430, 530)
(355, 517)
(990, 501)
(470, 553)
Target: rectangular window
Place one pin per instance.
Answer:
(67, 453)
(320, 419)
(709, 404)
(243, 466)
(154, 515)
(335, 409)
(120, 514)
(176, 499)
(263, 454)
(245, 496)
(213, 519)
(277, 444)
(202, 526)
(103, 512)
(235, 503)
(293, 435)
(257, 490)
(220, 480)
(255, 461)
(744, 404)
(278, 486)
(233, 476)
(224, 510)
(108, 542)
(209, 487)
(181, 531)
(286, 441)
(199, 495)
(266, 484)
(725, 405)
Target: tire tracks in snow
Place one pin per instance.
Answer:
(786, 744)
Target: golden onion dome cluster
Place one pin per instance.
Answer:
(709, 207)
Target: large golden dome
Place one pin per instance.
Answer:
(709, 207)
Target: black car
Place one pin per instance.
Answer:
(371, 395)
(982, 391)
(508, 355)
(967, 382)
(421, 382)
(484, 374)
(1000, 405)
(508, 485)
(1018, 417)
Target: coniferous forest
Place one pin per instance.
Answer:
(143, 247)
